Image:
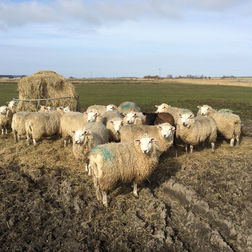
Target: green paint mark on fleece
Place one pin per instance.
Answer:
(108, 156)
(128, 105)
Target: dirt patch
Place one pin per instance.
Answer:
(198, 202)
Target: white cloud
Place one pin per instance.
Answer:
(14, 14)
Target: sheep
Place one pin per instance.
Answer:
(113, 121)
(158, 118)
(228, 124)
(163, 133)
(3, 110)
(86, 138)
(75, 120)
(194, 130)
(125, 162)
(133, 118)
(45, 109)
(18, 124)
(5, 121)
(127, 106)
(174, 111)
(101, 109)
(40, 124)
(12, 106)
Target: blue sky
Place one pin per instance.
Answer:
(112, 38)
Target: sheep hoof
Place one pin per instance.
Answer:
(135, 195)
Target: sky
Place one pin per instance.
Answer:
(125, 38)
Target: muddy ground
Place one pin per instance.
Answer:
(195, 202)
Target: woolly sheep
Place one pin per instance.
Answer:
(133, 118)
(18, 125)
(101, 109)
(194, 130)
(40, 124)
(86, 138)
(126, 107)
(228, 124)
(174, 111)
(163, 133)
(12, 106)
(72, 121)
(45, 109)
(5, 121)
(125, 162)
(3, 110)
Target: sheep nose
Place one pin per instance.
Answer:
(184, 124)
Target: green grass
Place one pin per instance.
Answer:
(8, 90)
(146, 95)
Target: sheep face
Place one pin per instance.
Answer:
(79, 136)
(166, 129)
(161, 108)
(11, 104)
(66, 109)
(3, 110)
(203, 109)
(185, 119)
(111, 107)
(117, 124)
(130, 117)
(92, 116)
(146, 144)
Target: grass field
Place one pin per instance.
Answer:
(147, 94)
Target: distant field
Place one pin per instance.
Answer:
(148, 93)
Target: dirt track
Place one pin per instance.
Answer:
(195, 202)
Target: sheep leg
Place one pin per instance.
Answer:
(34, 142)
(86, 167)
(6, 131)
(2, 131)
(28, 140)
(212, 145)
(104, 198)
(237, 140)
(135, 190)
(18, 138)
(191, 148)
(15, 136)
(65, 142)
(232, 142)
(89, 170)
(186, 148)
(97, 189)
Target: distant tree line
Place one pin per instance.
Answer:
(11, 76)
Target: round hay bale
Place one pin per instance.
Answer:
(46, 84)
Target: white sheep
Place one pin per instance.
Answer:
(5, 120)
(86, 138)
(45, 109)
(39, 124)
(113, 121)
(101, 109)
(18, 125)
(3, 110)
(174, 111)
(126, 107)
(195, 130)
(228, 124)
(134, 118)
(73, 121)
(163, 133)
(124, 162)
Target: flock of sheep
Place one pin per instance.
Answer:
(121, 143)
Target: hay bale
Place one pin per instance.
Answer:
(46, 84)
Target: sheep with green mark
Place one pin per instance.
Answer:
(122, 162)
(127, 106)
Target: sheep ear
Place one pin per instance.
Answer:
(71, 132)
(137, 141)
(153, 139)
(112, 121)
(156, 106)
(172, 128)
(198, 107)
(191, 116)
